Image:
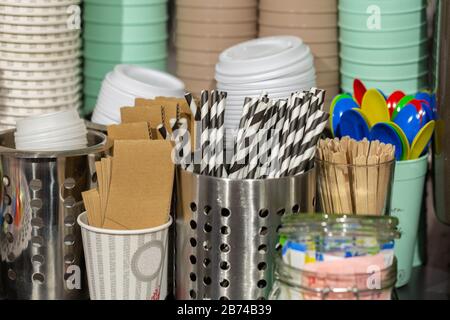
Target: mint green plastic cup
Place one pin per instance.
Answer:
(406, 205)
(392, 72)
(89, 104)
(409, 86)
(385, 38)
(97, 69)
(120, 52)
(92, 86)
(129, 15)
(385, 6)
(387, 21)
(124, 34)
(388, 56)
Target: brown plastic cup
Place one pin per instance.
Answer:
(323, 50)
(309, 35)
(197, 57)
(298, 20)
(214, 15)
(216, 29)
(327, 79)
(326, 64)
(195, 71)
(300, 6)
(207, 44)
(218, 4)
(196, 86)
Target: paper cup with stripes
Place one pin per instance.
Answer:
(128, 264)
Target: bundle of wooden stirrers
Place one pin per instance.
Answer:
(355, 177)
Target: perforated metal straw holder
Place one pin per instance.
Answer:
(226, 233)
(40, 200)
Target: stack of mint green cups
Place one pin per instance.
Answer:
(384, 43)
(121, 32)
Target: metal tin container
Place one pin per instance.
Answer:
(40, 200)
(227, 232)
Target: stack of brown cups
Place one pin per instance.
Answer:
(315, 22)
(204, 28)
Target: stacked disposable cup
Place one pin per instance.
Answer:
(59, 131)
(384, 43)
(126, 264)
(204, 28)
(313, 21)
(121, 32)
(125, 83)
(39, 58)
(277, 66)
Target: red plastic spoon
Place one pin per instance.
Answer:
(393, 100)
(359, 90)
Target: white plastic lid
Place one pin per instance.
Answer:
(142, 81)
(260, 55)
(298, 67)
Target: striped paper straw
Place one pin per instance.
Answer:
(293, 121)
(309, 143)
(261, 137)
(220, 137)
(299, 134)
(276, 141)
(238, 166)
(212, 132)
(265, 148)
(204, 139)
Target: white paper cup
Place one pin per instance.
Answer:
(125, 265)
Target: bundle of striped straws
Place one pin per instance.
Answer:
(275, 138)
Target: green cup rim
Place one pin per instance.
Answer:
(383, 30)
(352, 44)
(352, 60)
(353, 76)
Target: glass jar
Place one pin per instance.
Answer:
(336, 258)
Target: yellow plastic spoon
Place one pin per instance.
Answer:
(421, 140)
(374, 106)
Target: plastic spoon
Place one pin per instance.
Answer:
(374, 107)
(409, 120)
(339, 108)
(359, 90)
(423, 96)
(393, 100)
(354, 124)
(403, 102)
(422, 139)
(405, 142)
(385, 133)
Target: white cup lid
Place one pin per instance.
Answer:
(260, 55)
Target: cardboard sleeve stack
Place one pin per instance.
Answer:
(315, 22)
(204, 28)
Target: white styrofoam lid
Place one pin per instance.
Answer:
(259, 55)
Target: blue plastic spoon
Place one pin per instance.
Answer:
(340, 107)
(354, 124)
(409, 120)
(385, 133)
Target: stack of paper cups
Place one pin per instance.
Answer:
(316, 23)
(384, 43)
(39, 58)
(204, 28)
(126, 265)
(121, 32)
